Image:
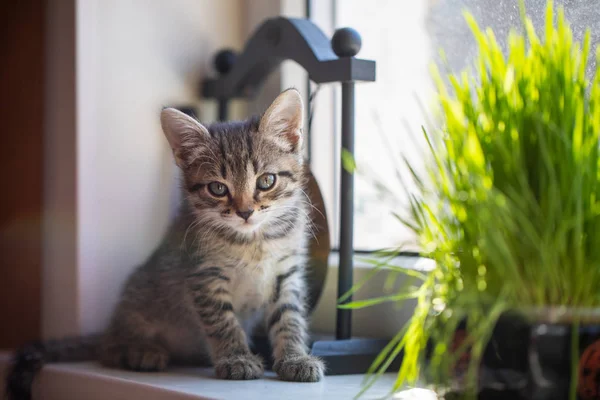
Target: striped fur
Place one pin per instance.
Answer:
(216, 276)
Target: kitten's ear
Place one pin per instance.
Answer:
(184, 133)
(284, 119)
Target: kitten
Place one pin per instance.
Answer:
(233, 258)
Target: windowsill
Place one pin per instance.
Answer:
(412, 262)
(380, 321)
(90, 381)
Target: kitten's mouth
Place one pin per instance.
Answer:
(247, 226)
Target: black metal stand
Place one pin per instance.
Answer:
(223, 109)
(280, 39)
(345, 274)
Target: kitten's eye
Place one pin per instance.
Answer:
(217, 189)
(265, 181)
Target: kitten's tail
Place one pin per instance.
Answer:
(28, 360)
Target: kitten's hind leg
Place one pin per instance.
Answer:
(143, 355)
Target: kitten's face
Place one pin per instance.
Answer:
(243, 181)
(243, 177)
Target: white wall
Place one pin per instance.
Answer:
(132, 58)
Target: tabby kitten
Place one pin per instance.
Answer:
(233, 258)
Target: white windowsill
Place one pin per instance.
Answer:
(88, 380)
(71, 381)
(379, 321)
(412, 262)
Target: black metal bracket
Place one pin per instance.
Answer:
(280, 39)
(326, 61)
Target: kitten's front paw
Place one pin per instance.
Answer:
(240, 367)
(299, 368)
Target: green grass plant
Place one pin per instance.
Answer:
(509, 208)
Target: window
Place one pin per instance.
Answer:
(405, 38)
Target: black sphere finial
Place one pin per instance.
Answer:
(224, 61)
(346, 42)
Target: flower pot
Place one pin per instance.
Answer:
(533, 355)
(503, 372)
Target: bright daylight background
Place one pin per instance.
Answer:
(405, 37)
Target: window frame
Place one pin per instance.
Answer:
(325, 156)
(324, 153)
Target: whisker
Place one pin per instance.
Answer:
(309, 202)
(192, 225)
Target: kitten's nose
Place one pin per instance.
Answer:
(245, 214)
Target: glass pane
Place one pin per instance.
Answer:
(405, 38)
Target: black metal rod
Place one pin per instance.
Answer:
(345, 280)
(308, 130)
(308, 15)
(223, 109)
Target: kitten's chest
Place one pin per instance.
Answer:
(253, 286)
